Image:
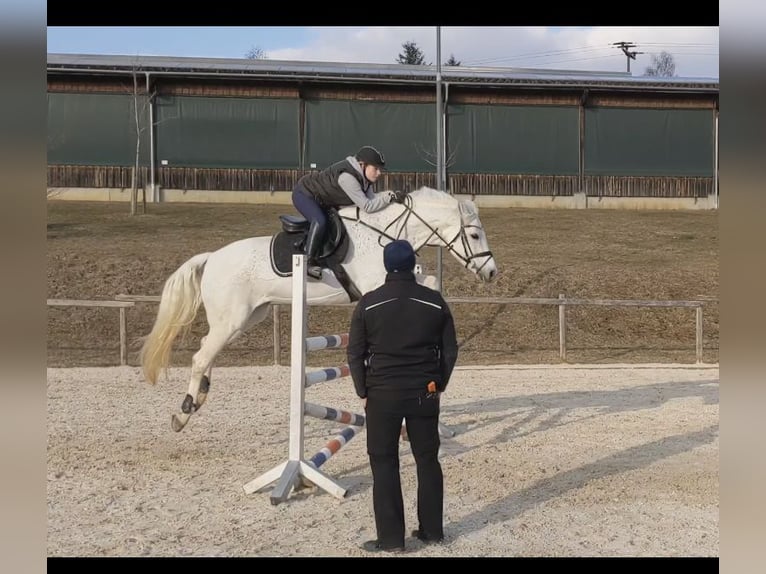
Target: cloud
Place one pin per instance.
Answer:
(694, 49)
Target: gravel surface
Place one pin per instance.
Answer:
(599, 460)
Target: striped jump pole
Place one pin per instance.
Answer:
(355, 421)
(323, 455)
(330, 414)
(327, 342)
(334, 445)
(327, 374)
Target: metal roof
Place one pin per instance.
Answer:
(371, 73)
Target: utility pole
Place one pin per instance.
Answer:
(439, 143)
(625, 47)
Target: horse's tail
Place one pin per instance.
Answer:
(179, 304)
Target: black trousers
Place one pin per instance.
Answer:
(384, 425)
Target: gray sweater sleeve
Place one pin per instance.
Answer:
(369, 202)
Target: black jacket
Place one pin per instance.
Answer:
(402, 336)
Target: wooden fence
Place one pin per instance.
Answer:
(122, 302)
(121, 305)
(562, 302)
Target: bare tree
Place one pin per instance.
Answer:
(428, 155)
(256, 53)
(411, 54)
(142, 99)
(662, 65)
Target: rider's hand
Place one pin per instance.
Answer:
(398, 196)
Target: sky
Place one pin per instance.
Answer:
(694, 49)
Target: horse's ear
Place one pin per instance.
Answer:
(467, 207)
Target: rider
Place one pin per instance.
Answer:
(349, 181)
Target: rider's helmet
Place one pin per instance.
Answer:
(371, 156)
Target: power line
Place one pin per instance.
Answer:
(592, 53)
(543, 54)
(581, 59)
(679, 44)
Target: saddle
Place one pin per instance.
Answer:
(292, 239)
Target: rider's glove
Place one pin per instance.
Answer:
(398, 196)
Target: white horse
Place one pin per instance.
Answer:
(237, 283)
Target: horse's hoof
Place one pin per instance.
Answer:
(177, 424)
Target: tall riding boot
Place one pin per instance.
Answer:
(313, 244)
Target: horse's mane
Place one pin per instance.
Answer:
(467, 207)
(423, 198)
(429, 194)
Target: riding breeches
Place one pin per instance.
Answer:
(309, 208)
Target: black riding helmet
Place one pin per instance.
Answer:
(371, 156)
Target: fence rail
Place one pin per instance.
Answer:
(121, 305)
(562, 302)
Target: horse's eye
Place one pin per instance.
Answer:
(474, 235)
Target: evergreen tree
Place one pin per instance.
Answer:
(411, 54)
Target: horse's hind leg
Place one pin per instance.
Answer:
(202, 365)
(199, 383)
(204, 384)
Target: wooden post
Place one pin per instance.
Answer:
(123, 337)
(562, 330)
(277, 334)
(699, 334)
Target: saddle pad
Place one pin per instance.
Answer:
(282, 249)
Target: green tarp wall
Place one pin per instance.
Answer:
(645, 142)
(99, 129)
(405, 133)
(94, 129)
(514, 139)
(228, 132)
(482, 139)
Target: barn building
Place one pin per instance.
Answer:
(241, 130)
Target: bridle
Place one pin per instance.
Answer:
(449, 245)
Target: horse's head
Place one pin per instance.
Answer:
(452, 224)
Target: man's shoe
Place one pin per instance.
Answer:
(374, 546)
(425, 539)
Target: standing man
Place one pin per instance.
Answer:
(401, 351)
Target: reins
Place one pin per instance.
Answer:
(449, 245)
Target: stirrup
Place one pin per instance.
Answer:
(314, 271)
